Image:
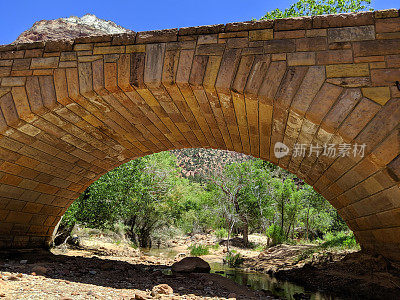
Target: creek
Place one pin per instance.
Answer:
(254, 280)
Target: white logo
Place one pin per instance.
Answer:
(281, 150)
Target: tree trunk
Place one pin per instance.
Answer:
(245, 232)
(282, 216)
(308, 215)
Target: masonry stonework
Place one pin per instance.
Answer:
(71, 110)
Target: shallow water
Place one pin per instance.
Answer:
(260, 281)
(254, 280)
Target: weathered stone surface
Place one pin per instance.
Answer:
(388, 25)
(380, 95)
(334, 57)
(157, 36)
(376, 47)
(382, 77)
(208, 29)
(293, 23)
(44, 63)
(301, 59)
(278, 46)
(347, 70)
(350, 34)
(261, 35)
(344, 20)
(250, 25)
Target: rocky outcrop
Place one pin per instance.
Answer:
(191, 265)
(69, 28)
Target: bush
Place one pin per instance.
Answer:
(215, 247)
(259, 247)
(275, 233)
(233, 259)
(340, 239)
(198, 250)
(221, 233)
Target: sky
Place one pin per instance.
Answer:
(19, 15)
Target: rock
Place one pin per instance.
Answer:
(180, 255)
(39, 270)
(13, 278)
(69, 28)
(141, 296)
(191, 265)
(23, 262)
(162, 289)
(92, 272)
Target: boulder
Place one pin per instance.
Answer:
(39, 270)
(162, 289)
(191, 265)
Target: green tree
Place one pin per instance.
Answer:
(319, 7)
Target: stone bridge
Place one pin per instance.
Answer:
(73, 110)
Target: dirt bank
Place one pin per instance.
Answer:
(106, 273)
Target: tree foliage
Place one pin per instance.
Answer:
(321, 7)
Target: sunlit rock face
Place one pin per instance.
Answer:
(69, 28)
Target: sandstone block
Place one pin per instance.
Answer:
(334, 57)
(342, 20)
(380, 95)
(157, 36)
(207, 29)
(311, 44)
(316, 32)
(44, 63)
(210, 49)
(237, 34)
(386, 13)
(349, 34)
(301, 59)
(387, 25)
(382, 77)
(207, 39)
(13, 81)
(108, 50)
(279, 46)
(33, 53)
(347, 70)
(376, 47)
(293, 23)
(249, 25)
(261, 35)
(83, 47)
(393, 61)
(290, 34)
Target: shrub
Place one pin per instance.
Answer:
(198, 250)
(259, 247)
(233, 259)
(215, 247)
(275, 233)
(340, 239)
(221, 233)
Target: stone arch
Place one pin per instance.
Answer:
(72, 110)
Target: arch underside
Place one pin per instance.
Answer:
(73, 110)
